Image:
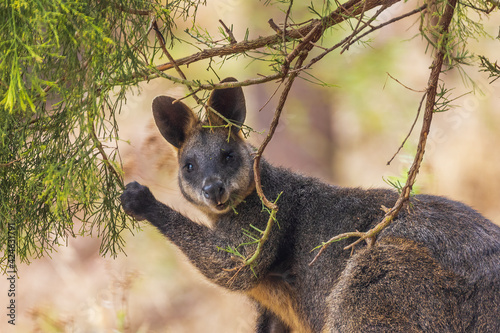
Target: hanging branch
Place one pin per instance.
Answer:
(431, 92)
(304, 47)
(256, 164)
(344, 12)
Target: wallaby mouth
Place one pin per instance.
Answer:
(222, 206)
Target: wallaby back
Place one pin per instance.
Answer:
(436, 268)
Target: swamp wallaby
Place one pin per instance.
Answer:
(436, 268)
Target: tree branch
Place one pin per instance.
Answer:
(285, 23)
(304, 47)
(229, 33)
(212, 86)
(134, 11)
(256, 164)
(347, 10)
(316, 27)
(431, 92)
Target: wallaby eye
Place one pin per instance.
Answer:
(229, 156)
(188, 167)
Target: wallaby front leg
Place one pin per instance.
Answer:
(268, 322)
(199, 243)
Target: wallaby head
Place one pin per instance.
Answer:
(215, 163)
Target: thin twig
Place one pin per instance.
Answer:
(277, 115)
(272, 96)
(287, 15)
(410, 13)
(274, 26)
(357, 29)
(9, 163)
(313, 35)
(409, 132)
(335, 239)
(414, 90)
(186, 96)
(303, 50)
(229, 32)
(169, 56)
(224, 85)
(263, 238)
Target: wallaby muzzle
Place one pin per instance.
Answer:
(215, 193)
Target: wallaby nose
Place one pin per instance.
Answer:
(214, 191)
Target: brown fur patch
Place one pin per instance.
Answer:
(277, 296)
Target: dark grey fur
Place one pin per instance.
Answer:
(436, 268)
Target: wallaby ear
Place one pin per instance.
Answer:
(174, 120)
(228, 102)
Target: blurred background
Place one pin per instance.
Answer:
(344, 134)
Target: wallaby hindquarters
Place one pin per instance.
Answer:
(435, 269)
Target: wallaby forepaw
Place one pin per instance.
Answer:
(137, 200)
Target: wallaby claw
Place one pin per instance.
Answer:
(136, 200)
